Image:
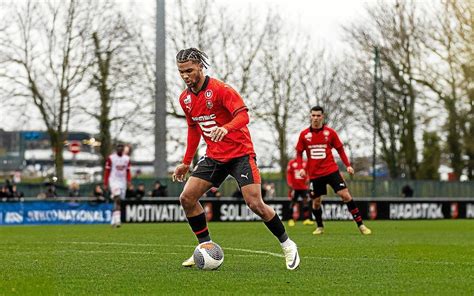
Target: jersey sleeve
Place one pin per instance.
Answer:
(194, 137)
(129, 172)
(240, 120)
(299, 149)
(336, 142)
(232, 101)
(108, 167)
(189, 121)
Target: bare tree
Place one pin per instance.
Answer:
(449, 55)
(116, 75)
(391, 28)
(46, 58)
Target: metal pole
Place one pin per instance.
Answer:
(374, 144)
(160, 164)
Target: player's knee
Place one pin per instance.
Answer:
(346, 197)
(185, 199)
(316, 203)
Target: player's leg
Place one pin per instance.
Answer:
(206, 174)
(316, 193)
(245, 171)
(305, 208)
(189, 199)
(117, 193)
(340, 187)
(291, 222)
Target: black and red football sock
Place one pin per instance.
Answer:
(318, 216)
(199, 226)
(354, 210)
(276, 227)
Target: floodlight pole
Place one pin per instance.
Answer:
(374, 144)
(160, 163)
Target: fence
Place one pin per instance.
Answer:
(358, 188)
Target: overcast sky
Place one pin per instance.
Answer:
(320, 19)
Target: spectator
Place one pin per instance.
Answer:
(16, 193)
(159, 190)
(130, 193)
(4, 193)
(140, 192)
(214, 192)
(50, 190)
(74, 190)
(407, 191)
(98, 193)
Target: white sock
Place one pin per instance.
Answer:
(287, 243)
(112, 221)
(117, 217)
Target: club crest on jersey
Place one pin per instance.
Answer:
(308, 136)
(208, 94)
(326, 133)
(187, 100)
(209, 104)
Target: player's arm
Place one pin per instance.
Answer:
(192, 144)
(233, 102)
(108, 167)
(129, 173)
(337, 144)
(240, 120)
(289, 176)
(299, 150)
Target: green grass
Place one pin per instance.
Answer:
(400, 258)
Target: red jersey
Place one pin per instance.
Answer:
(318, 144)
(215, 105)
(296, 175)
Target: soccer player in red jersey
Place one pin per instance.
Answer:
(297, 180)
(318, 141)
(216, 112)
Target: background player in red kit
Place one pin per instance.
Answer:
(217, 113)
(317, 141)
(297, 180)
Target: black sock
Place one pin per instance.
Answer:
(277, 228)
(351, 206)
(199, 226)
(318, 216)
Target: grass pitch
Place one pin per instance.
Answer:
(400, 258)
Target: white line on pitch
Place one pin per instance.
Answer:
(181, 246)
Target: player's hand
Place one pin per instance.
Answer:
(350, 170)
(180, 172)
(218, 134)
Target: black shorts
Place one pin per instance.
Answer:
(318, 185)
(244, 169)
(299, 194)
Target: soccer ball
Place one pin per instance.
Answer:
(208, 256)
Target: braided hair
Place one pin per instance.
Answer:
(192, 54)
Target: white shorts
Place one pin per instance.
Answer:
(117, 190)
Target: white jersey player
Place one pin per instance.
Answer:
(117, 177)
